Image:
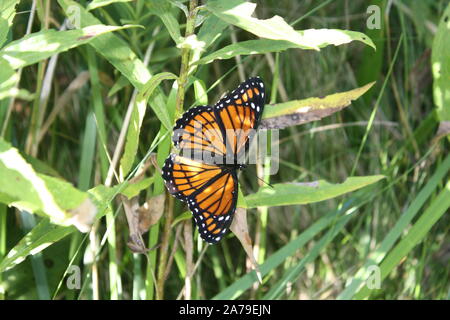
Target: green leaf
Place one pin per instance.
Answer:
(440, 64)
(102, 196)
(137, 116)
(238, 13)
(133, 189)
(211, 30)
(201, 96)
(283, 194)
(40, 45)
(323, 38)
(162, 8)
(39, 238)
(415, 235)
(291, 275)
(282, 115)
(122, 57)
(8, 80)
(34, 192)
(4, 29)
(45, 233)
(7, 14)
(276, 259)
(94, 4)
(402, 224)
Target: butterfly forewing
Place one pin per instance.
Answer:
(240, 113)
(199, 136)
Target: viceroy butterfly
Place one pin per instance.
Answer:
(224, 131)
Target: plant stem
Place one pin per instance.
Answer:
(185, 57)
(182, 82)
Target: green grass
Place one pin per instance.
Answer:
(94, 107)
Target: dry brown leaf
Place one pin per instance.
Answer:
(150, 212)
(443, 130)
(141, 218)
(83, 216)
(239, 227)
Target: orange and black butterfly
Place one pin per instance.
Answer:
(213, 141)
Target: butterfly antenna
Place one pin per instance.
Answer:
(266, 183)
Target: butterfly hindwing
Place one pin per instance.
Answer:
(209, 190)
(214, 205)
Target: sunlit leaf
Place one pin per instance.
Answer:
(239, 13)
(283, 194)
(322, 38)
(39, 238)
(137, 117)
(440, 64)
(43, 44)
(94, 4)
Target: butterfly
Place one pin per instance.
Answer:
(213, 142)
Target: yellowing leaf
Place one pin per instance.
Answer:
(295, 112)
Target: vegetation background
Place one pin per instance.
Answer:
(67, 97)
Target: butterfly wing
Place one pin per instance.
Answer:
(184, 176)
(199, 136)
(210, 191)
(239, 114)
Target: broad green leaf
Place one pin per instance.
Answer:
(94, 4)
(440, 64)
(322, 37)
(211, 30)
(239, 13)
(133, 189)
(416, 234)
(39, 238)
(201, 96)
(8, 9)
(295, 112)
(162, 8)
(8, 80)
(137, 117)
(325, 37)
(122, 57)
(283, 194)
(102, 196)
(47, 233)
(33, 192)
(118, 85)
(4, 29)
(7, 14)
(40, 166)
(43, 44)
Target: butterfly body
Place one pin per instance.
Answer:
(213, 143)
